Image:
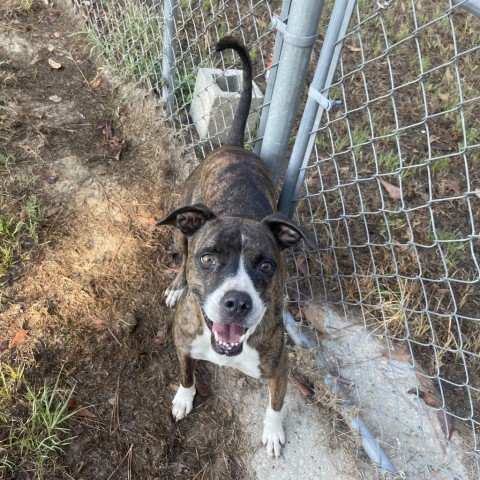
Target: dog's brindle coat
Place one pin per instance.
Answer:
(230, 287)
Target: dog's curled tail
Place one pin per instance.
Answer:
(237, 130)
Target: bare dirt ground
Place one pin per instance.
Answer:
(101, 166)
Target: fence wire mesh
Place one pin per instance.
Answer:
(130, 36)
(391, 190)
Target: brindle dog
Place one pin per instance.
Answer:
(230, 288)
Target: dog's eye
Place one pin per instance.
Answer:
(266, 267)
(207, 260)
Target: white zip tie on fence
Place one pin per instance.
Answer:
(295, 40)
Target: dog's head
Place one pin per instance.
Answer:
(232, 268)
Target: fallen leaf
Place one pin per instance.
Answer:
(25, 148)
(95, 83)
(426, 396)
(302, 265)
(305, 390)
(477, 192)
(53, 16)
(433, 138)
(38, 115)
(399, 355)
(314, 315)
(55, 98)
(74, 406)
(454, 185)
(147, 220)
(19, 336)
(35, 59)
(40, 259)
(100, 326)
(51, 211)
(54, 64)
(392, 190)
(230, 411)
(448, 423)
(57, 34)
(50, 47)
(352, 48)
(4, 345)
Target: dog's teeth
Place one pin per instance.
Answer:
(215, 334)
(241, 338)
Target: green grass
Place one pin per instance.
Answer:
(452, 248)
(33, 429)
(20, 221)
(132, 46)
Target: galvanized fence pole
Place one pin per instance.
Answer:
(299, 35)
(472, 6)
(317, 102)
(170, 8)
(272, 75)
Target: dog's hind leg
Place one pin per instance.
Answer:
(175, 290)
(182, 403)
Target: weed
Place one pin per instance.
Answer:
(133, 46)
(18, 236)
(25, 5)
(31, 440)
(451, 247)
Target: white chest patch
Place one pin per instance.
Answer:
(247, 362)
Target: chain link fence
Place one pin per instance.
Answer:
(392, 185)
(389, 181)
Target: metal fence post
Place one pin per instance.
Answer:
(299, 35)
(472, 6)
(170, 8)
(316, 104)
(272, 75)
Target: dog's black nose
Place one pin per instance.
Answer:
(236, 303)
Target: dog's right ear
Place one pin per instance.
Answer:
(188, 219)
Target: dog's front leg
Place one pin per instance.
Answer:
(273, 435)
(182, 403)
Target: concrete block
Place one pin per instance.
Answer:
(215, 100)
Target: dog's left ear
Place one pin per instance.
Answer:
(287, 233)
(188, 219)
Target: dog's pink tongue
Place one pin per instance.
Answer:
(228, 332)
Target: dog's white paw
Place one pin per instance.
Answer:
(182, 403)
(173, 295)
(273, 435)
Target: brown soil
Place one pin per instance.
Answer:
(103, 164)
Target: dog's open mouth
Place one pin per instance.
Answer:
(227, 338)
